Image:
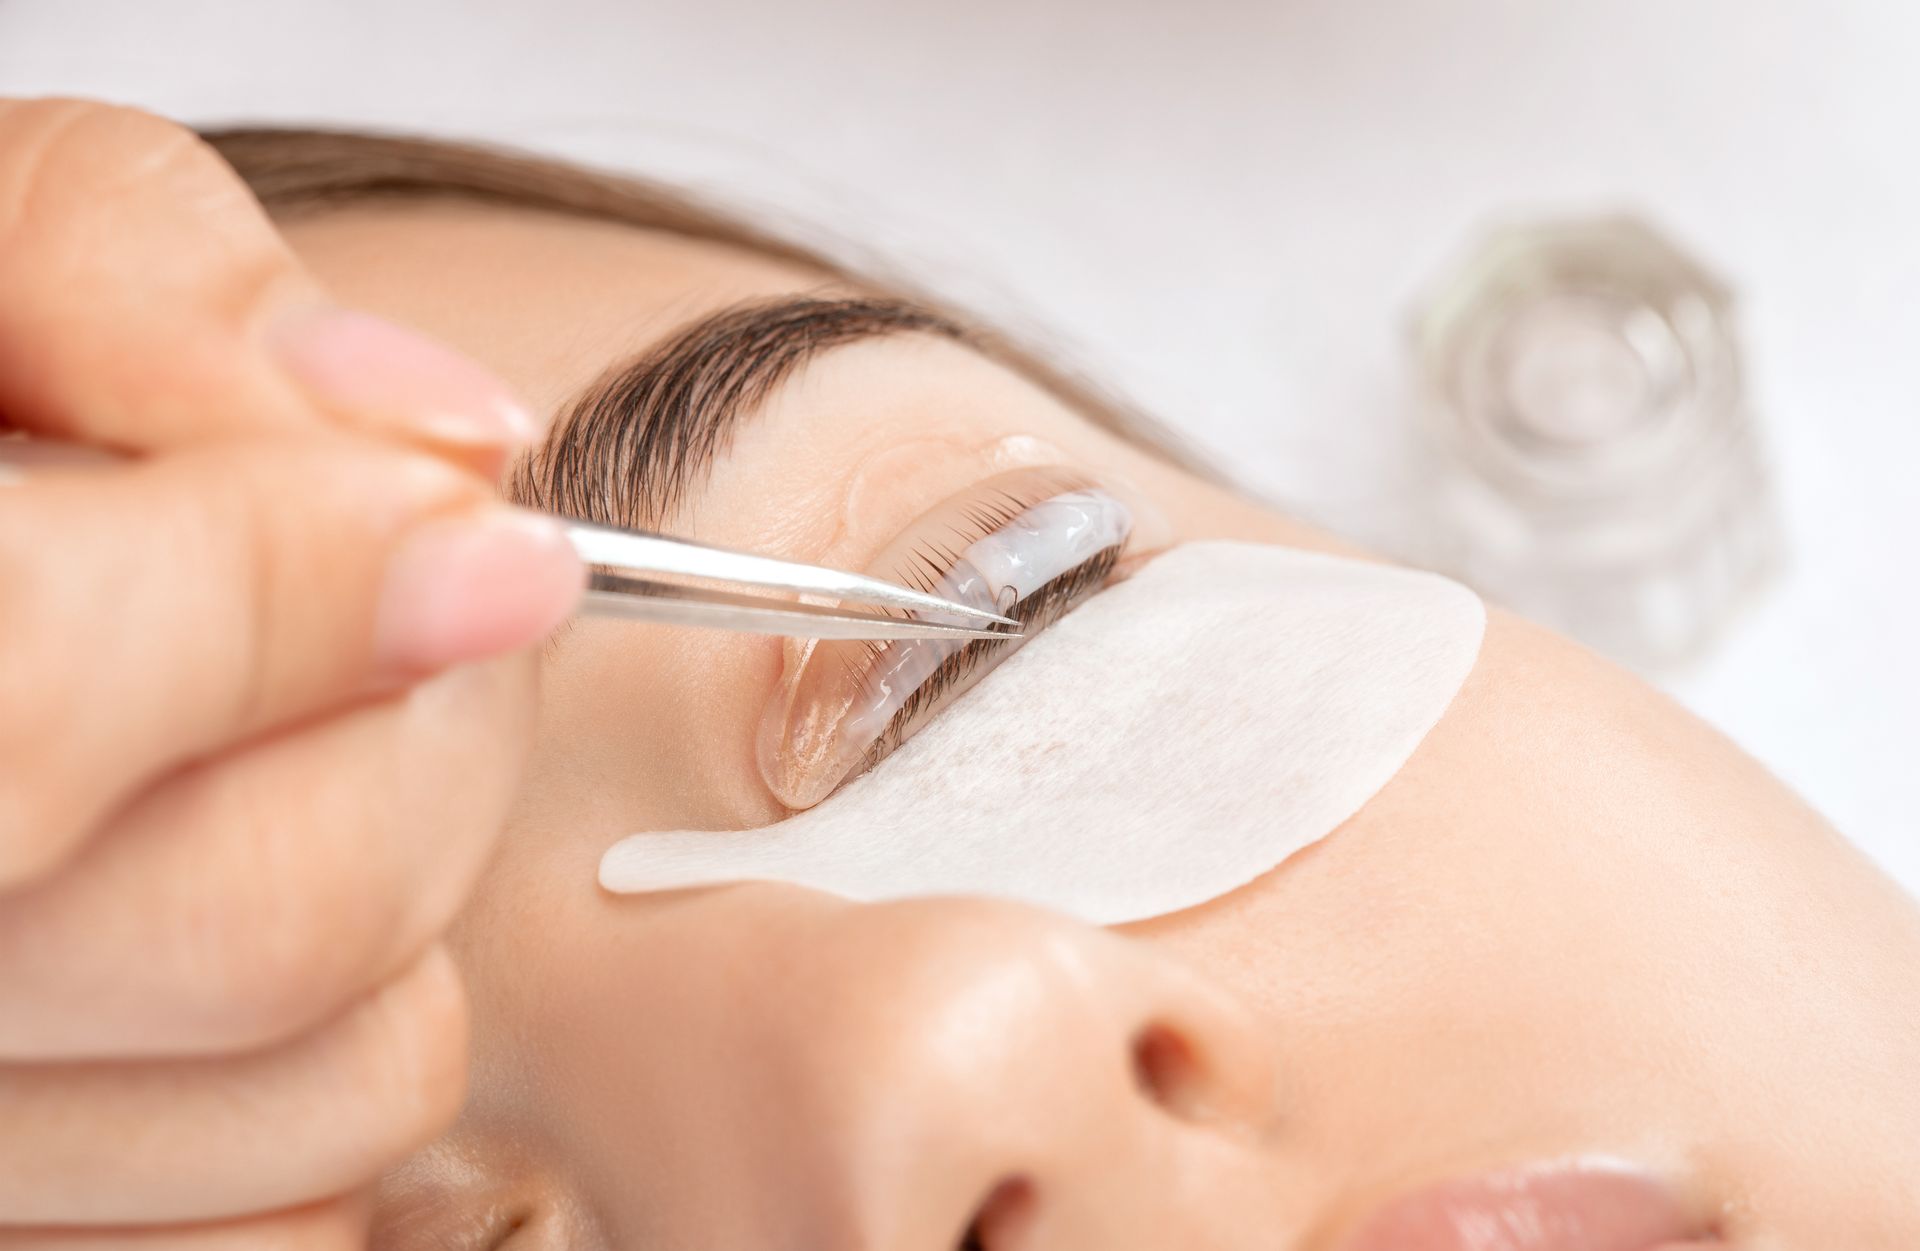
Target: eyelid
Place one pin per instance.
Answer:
(1031, 543)
(888, 489)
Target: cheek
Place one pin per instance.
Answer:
(646, 726)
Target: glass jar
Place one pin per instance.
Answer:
(1592, 462)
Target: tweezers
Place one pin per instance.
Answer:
(627, 566)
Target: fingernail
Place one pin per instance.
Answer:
(474, 585)
(374, 370)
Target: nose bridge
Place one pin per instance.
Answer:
(1000, 1070)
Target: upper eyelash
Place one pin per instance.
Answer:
(932, 561)
(1038, 610)
(928, 562)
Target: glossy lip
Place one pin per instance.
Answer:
(1577, 1205)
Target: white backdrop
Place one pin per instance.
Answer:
(1226, 205)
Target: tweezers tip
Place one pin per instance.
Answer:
(978, 633)
(967, 612)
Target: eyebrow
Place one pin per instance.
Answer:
(630, 448)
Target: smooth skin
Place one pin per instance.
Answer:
(1578, 922)
(262, 704)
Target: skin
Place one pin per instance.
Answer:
(233, 832)
(1578, 922)
(235, 816)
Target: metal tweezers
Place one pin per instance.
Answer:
(627, 566)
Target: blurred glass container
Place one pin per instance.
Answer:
(1594, 463)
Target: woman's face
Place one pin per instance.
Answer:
(1576, 927)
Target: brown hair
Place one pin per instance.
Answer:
(300, 171)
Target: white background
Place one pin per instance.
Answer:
(1226, 206)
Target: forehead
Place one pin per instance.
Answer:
(545, 300)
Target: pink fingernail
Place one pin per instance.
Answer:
(365, 367)
(478, 584)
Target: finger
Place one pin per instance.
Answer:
(337, 1226)
(156, 612)
(198, 1140)
(147, 302)
(254, 915)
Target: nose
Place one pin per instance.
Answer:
(981, 1077)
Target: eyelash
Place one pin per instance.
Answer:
(933, 561)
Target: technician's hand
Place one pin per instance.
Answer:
(249, 760)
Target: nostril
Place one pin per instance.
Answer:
(1002, 1213)
(1168, 1070)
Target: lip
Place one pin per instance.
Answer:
(1582, 1205)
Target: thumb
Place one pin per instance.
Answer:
(147, 303)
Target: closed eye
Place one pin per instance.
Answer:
(1030, 544)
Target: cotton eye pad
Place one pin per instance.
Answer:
(1173, 738)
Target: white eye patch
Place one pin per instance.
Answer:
(1171, 739)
